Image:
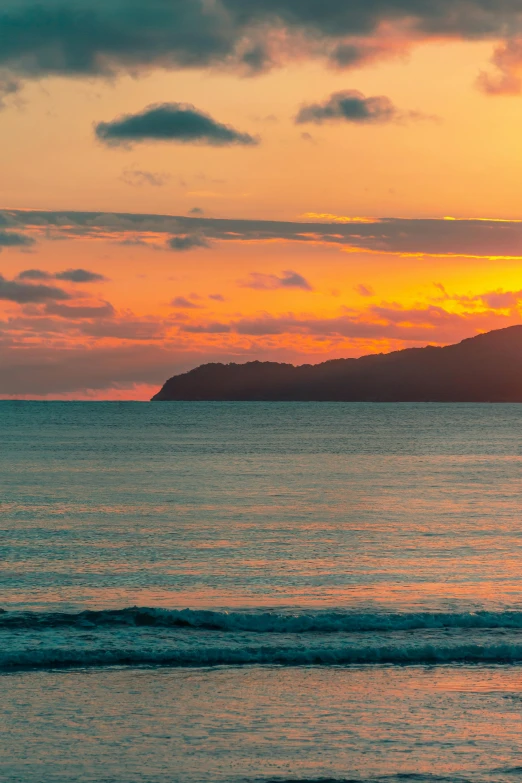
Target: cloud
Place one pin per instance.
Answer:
(106, 38)
(41, 350)
(364, 290)
(25, 293)
(68, 324)
(12, 239)
(183, 243)
(213, 328)
(196, 211)
(217, 297)
(40, 369)
(423, 324)
(34, 274)
(137, 178)
(502, 300)
(492, 300)
(183, 303)
(105, 310)
(9, 87)
(127, 329)
(358, 53)
(69, 275)
(350, 106)
(288, 279)
(478, 238)
(507, 76)
(178, 122)
(79, 276)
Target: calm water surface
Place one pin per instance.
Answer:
(363, 560)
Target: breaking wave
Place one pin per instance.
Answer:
(264, 622)
(186, 638)
(342, 654)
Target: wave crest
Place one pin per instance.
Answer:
(322, 622)
(344, 654)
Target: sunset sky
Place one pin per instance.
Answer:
(185, 181)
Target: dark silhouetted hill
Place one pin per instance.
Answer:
(486, 368)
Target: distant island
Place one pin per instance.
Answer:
(486, 368)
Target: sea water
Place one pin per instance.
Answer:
(260, 592)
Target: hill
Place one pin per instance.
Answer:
(486, 368)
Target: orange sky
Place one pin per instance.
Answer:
(166, 296)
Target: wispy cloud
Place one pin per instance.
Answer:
(183, 303)
(287, 279)
(137, 178)
(364, 290)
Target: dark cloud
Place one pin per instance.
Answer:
(183, 243)
(217, 297)
(350, 106)
(69, 275)
(196, 211)
(480, 238)
(180, 122)
(34, 274)
(185, 304)
(92, 37)
(25, 293)
(288, 279)
(79, 276)
(12, 239)
(350, 54)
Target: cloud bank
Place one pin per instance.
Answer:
(403, 236)
(95, 38)
(49, 345)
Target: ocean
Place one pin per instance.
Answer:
(230, 592)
